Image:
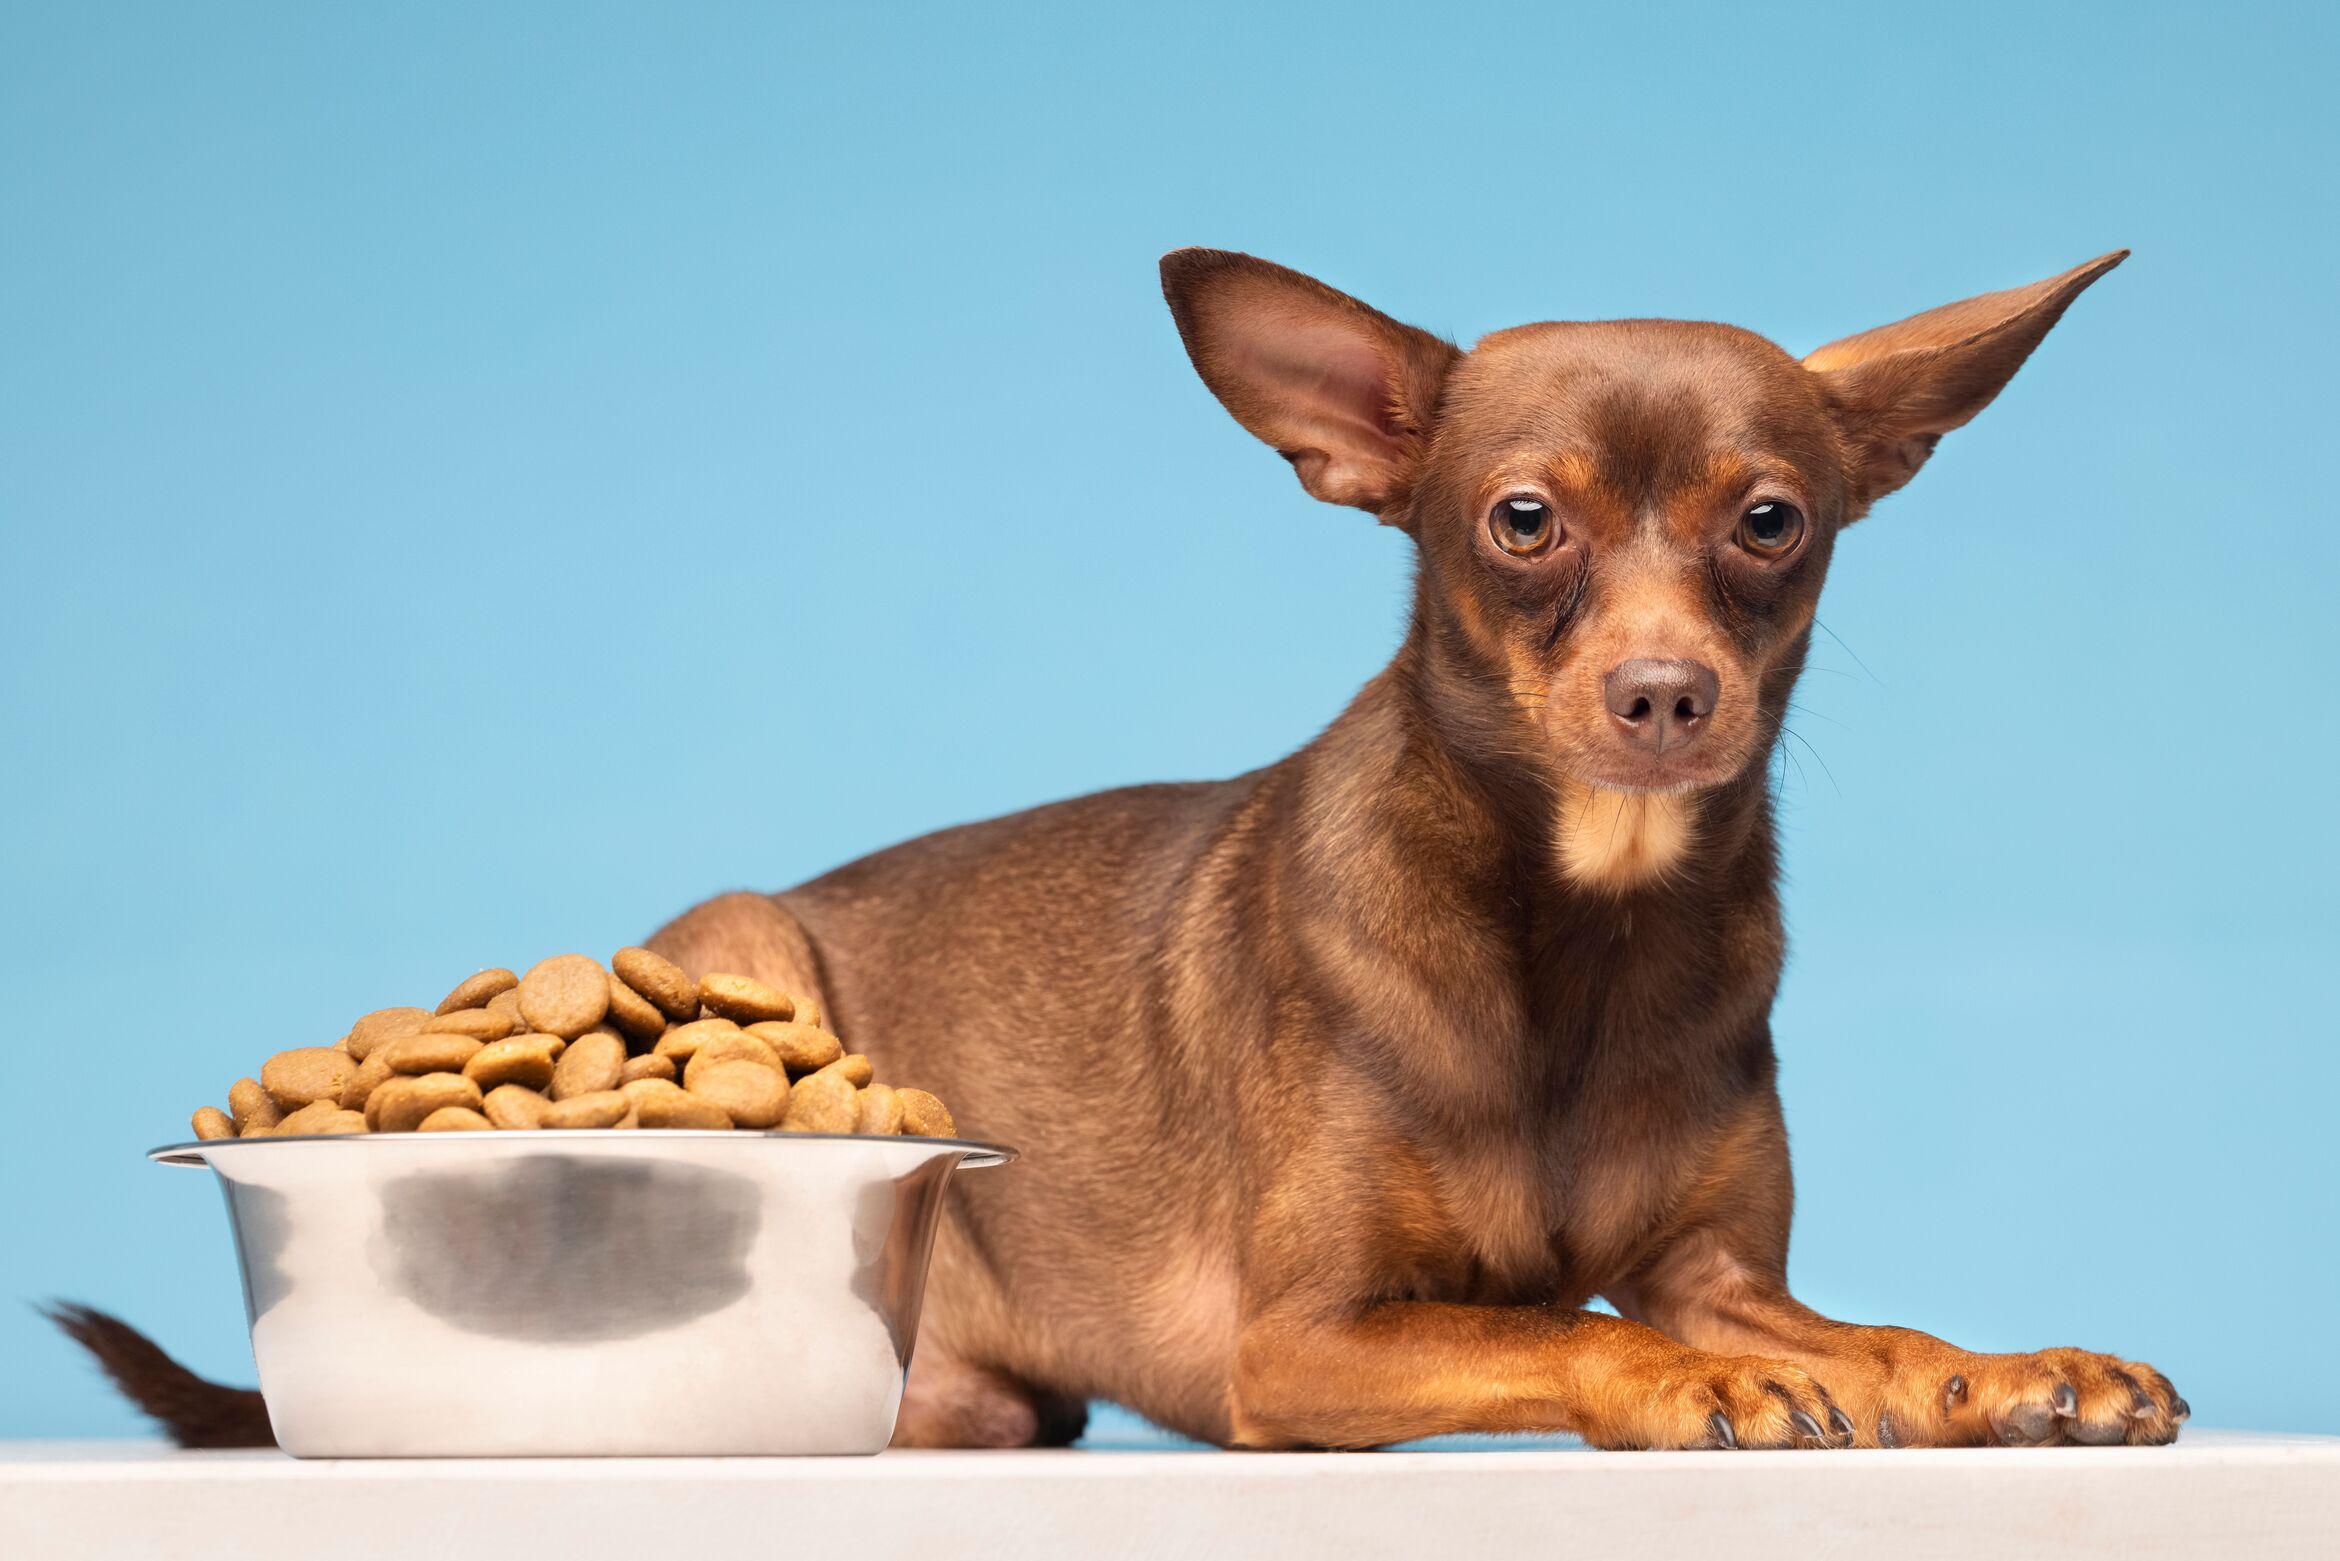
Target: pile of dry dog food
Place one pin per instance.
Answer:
(569, 1045)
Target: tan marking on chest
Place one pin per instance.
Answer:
(1621, 839)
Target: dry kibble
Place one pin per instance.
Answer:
(602, 1108)
(429, 1051)
(744, 999)
(481, 1024)
(590, 1066)
(660, 980)
(566, 994)
(879, 1110)
(823, 1102)
(649, 1067)
(800, 1047)
(925, 1116)
(572, 1045)
(308, 1119)
(515, 1107)
(678, 1108)
(477, 991)
(526, 1060)
(253, 1111)
(853, 1068)
(738, 1046)
(749, 1093)
(383, 1024)
(368, 1078)
(632, 1013)
(400, 1105)
(682, 1043)
(294, 1078)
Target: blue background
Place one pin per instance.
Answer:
(478, 479)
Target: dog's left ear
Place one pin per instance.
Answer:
(1898, 389)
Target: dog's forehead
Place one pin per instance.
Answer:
(1641, 403)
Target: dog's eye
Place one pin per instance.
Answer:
(1771, 528)
(1522, 524)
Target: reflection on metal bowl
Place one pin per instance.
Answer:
(583, 1293)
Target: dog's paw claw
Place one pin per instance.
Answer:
(2066, 1401)
(1724, 1436)
(1886, 1435)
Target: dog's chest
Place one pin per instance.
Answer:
(1627, 1069)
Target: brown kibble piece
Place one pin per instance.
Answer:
(678, 1108)
(481, 1024)
(660, 980)
(602, 1108)
(402, 1102)
(477, 991)
(524, 1059)
(925, 1116)
(632, 1013)
(455, 1119)
(823, 1102)
(297, 1124)
(566, 994)
(749, 1093)
(737, 1046)
(682, 1043)
(590, 1066)
(879, 1110)
(640, 1068)
(745, 999)
(369, 1077)
(294, 1078)
(514, 1106)
(800, 1047)
(809, 1012)
(338, 1123)
(211, 1122)
(429, 1051)
(508, 1003)
(251, 1108)
(853, 1068)
(383, 1024)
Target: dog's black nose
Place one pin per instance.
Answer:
(1661, 705)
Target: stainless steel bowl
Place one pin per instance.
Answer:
(583, 1293)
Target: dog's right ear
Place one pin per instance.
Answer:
(1342, 391)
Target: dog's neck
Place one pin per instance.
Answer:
(1430, 780)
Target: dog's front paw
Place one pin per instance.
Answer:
(2035, 1400)
(1697, 1400)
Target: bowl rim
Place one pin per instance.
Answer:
(977, 1154)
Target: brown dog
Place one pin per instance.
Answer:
(1344, 1085)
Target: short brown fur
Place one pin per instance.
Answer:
(1345, 1085)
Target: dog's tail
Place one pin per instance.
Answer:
(196, 1413)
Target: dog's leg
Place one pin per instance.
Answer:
(1719, 1281)
(746, 935)
(949, 1403)
(1405, 1369)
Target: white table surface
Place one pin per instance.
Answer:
(2214, 1494)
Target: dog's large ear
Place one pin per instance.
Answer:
(1342, 391)
(1898, 389)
